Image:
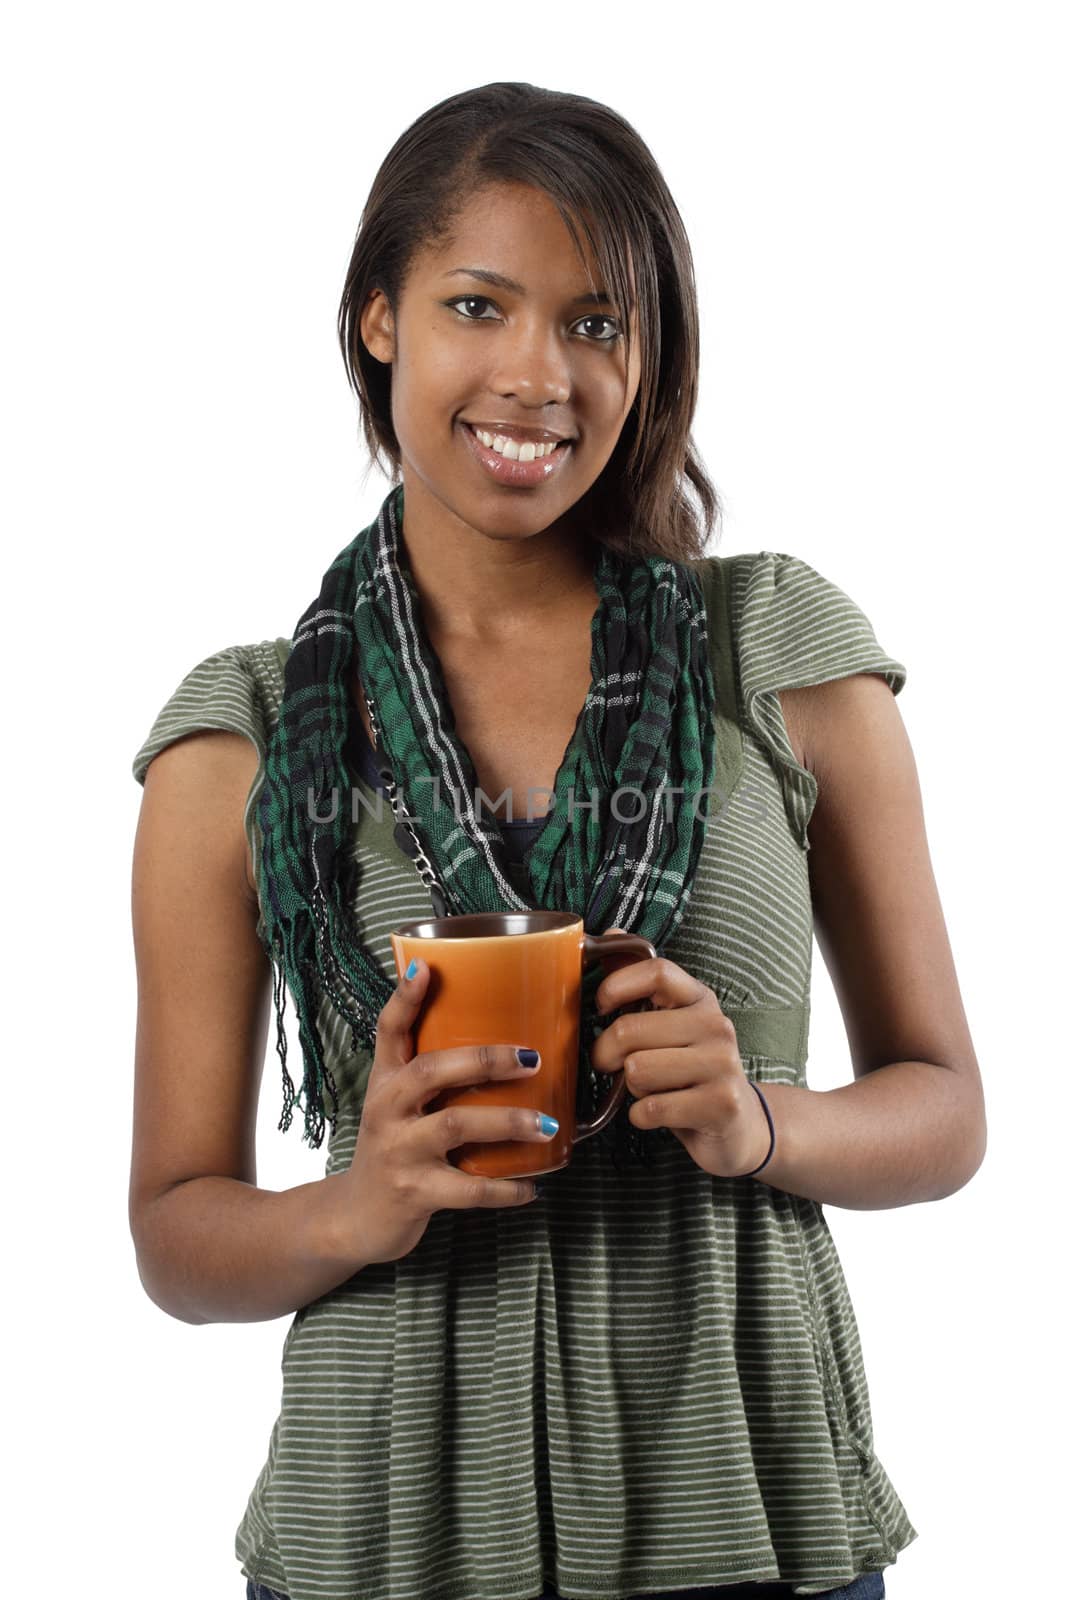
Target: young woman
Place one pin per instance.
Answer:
(647, 1380)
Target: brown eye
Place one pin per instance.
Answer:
(613, 332)
(470, 300)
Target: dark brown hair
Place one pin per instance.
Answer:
(654, 497)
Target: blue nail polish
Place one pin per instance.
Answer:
(548, 1124)
(412, 969)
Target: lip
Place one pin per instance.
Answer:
(515, 430)
(516, 474)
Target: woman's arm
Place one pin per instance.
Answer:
(211, 1246)
(912, 1125)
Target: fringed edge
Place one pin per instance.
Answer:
(331, 922)
(277, 968)
(306, 986)
(316, 971)
(313, 1125)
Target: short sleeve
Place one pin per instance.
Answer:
(794, 627)
(236, 690)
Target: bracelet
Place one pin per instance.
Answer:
(770, 1124)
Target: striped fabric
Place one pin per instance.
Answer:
(639, 1382)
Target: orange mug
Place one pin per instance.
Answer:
(514, 977)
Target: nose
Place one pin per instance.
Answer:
(532, 367)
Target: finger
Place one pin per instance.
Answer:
(463, 1124)
(393, 1046)
(432, 1071)
(659, 980)
(667, 1071)
(714, 1110)
(450, 1188)
(671, 1028)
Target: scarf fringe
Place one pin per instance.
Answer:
(302, 974)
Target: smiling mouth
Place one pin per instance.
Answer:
(512, 449)
(515, 464)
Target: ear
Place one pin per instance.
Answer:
(376, 327)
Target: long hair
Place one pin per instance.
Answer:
(654, 496)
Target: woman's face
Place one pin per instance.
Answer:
(538, 358)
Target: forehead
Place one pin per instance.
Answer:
(515, 230)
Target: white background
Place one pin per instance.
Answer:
(874, 196)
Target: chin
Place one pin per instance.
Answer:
(517, 514)
(499, 513)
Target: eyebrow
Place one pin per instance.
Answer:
(499, 281)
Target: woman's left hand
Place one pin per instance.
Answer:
(682, 1065)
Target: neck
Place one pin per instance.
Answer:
(492, 590)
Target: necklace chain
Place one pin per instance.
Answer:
(433, 884)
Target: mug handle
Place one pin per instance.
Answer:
(612, 950)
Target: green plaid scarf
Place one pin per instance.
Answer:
(647, 727)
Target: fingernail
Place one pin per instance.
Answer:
(413, 967)
(528, 1058)
(548, 1124)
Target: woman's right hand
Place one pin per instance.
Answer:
(400, 1172)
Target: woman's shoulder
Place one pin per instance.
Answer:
(788, 628)
(791, 625)
(236, 689)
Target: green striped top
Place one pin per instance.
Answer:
(642, 1381)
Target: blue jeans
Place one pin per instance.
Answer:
(868, 1586)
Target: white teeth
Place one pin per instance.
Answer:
(511, 450)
